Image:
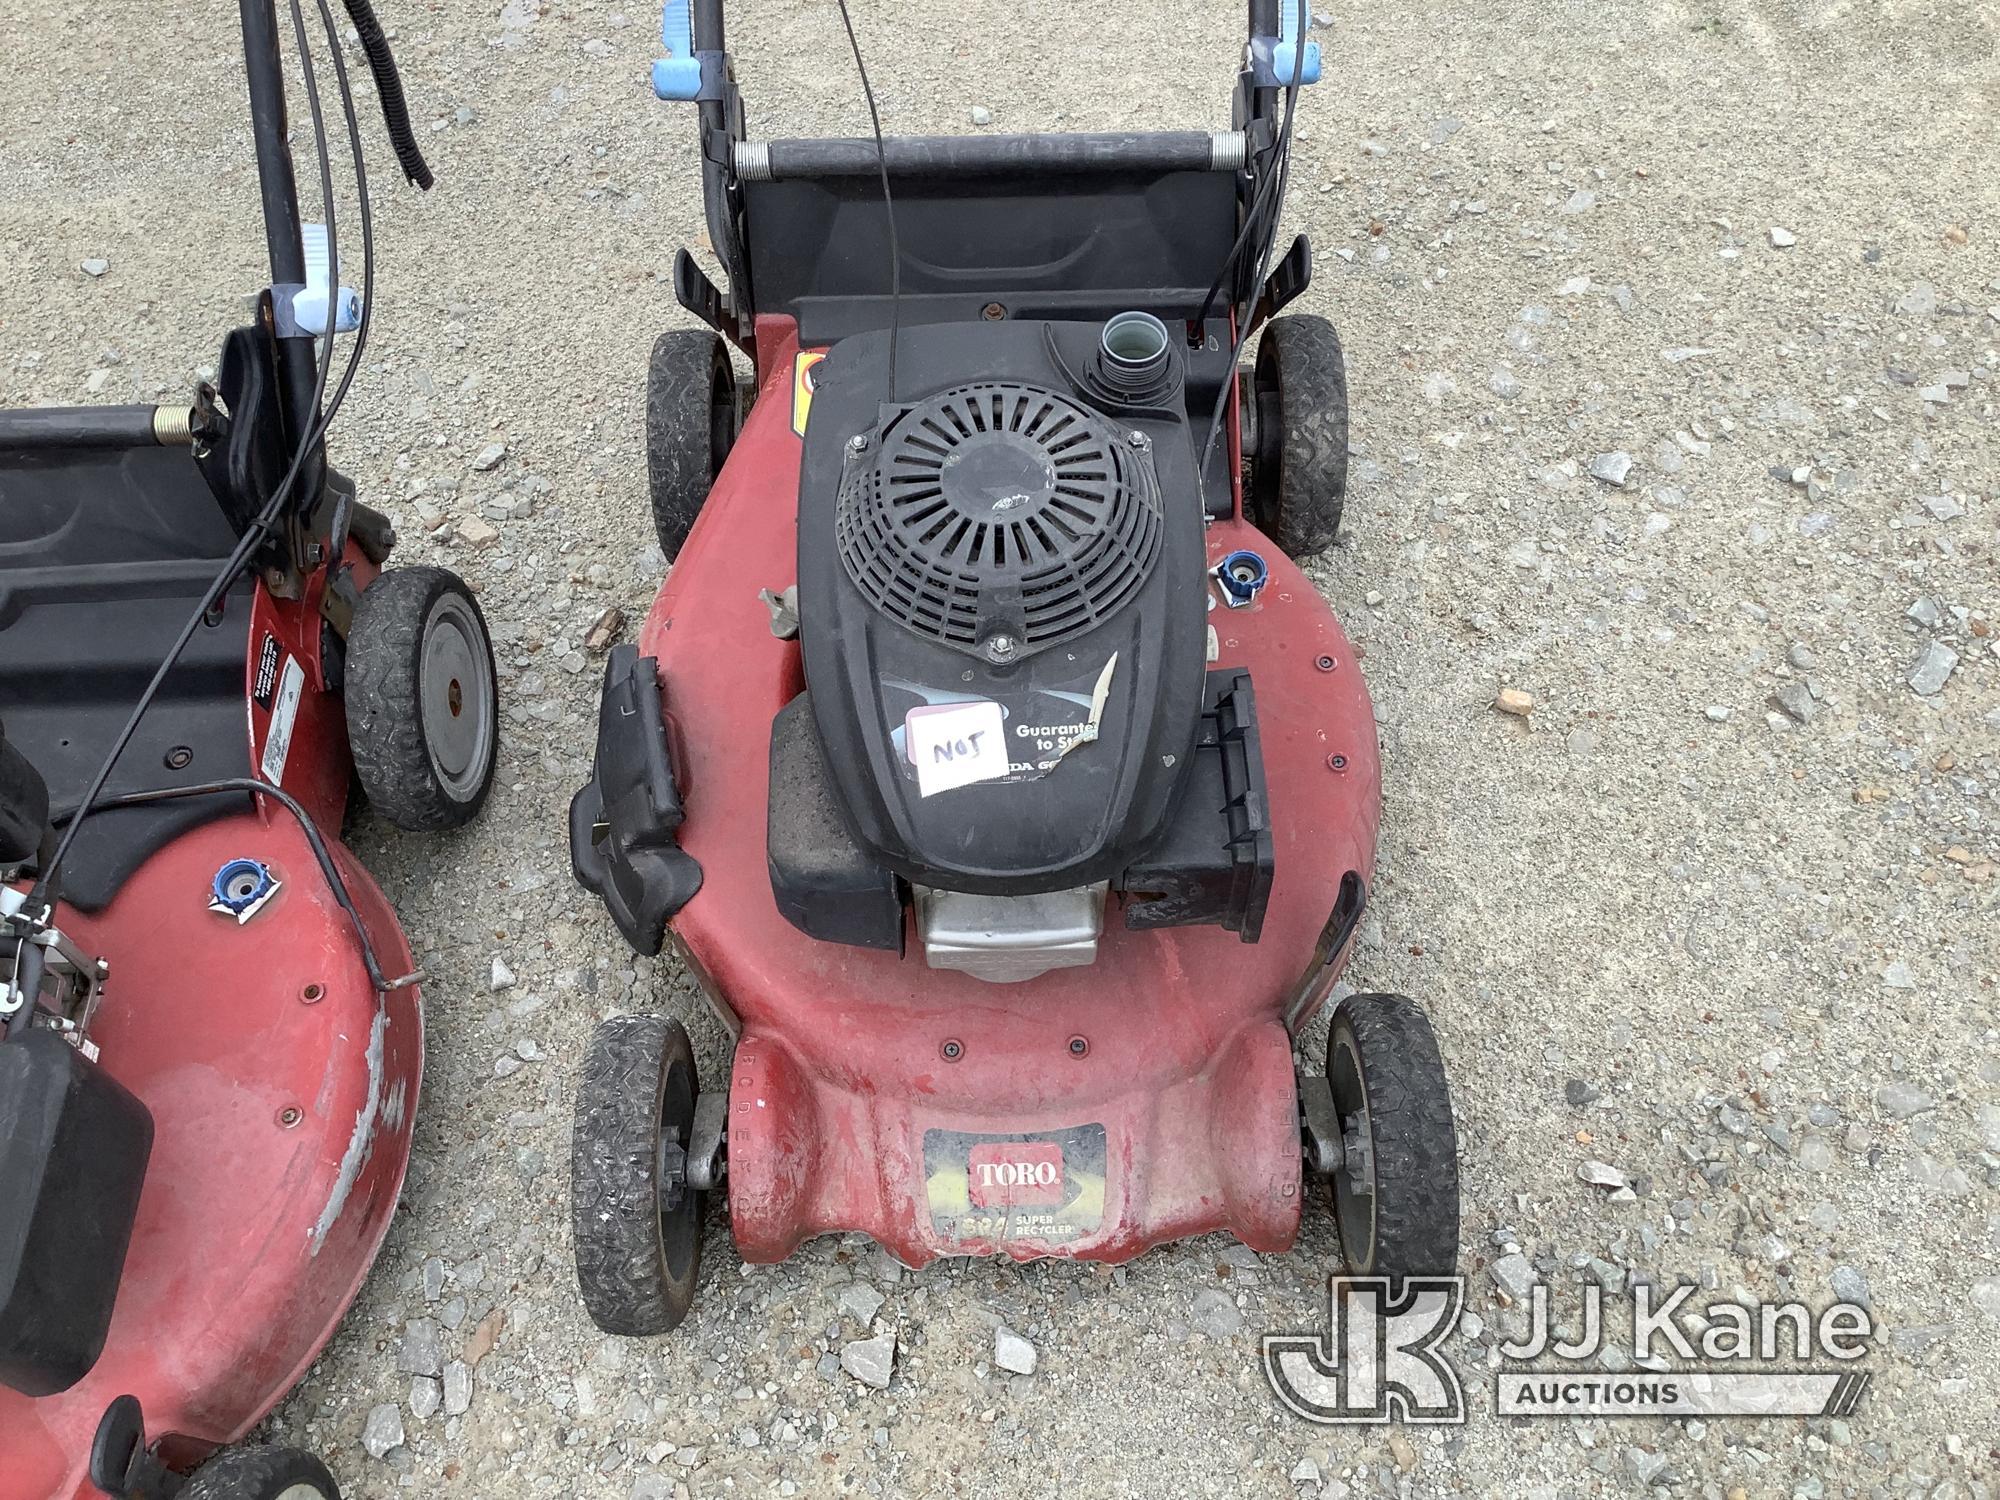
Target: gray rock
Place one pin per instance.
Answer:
(1933, 669)
(1217, 1315)
(1602, 1174)
(1986, 1297)
(1989, 1126)
(501, 977)
(1515, 1275)
(1795, 701)
(1942, 507)
(1926, 613)
(422, 1349)
(1920, 301)
(1444, 129)
(425, 1397)
(489, 457)
(94, 268)
(1582, 201)
(981, 115)
(1647, 1469)
(1849, 1285)
(1013, 1353)
(871, 1361)
(861, 1302)
(1782, 239)
(1577, 1093)
(457, 1385)
(1900, 1101)
(1612, 468)
(383, 1431)
(1505, 384)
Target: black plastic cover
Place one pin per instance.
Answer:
(823, 882)
(104, 553)
(1215, 862)
(622, 824)
(24, 805)
(1049, 824)
(74, 1143)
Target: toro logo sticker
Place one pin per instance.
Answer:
(1039, 1188)
(1014, 1174)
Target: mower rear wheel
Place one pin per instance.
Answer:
(1298, 450)
(691, 423)
(262, 1474)
(423, 707)
(1395, 1194)
(637, 1222)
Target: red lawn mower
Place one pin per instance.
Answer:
(1006, 785)
(211, 1039)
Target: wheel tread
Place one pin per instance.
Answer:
(614, 1192)
(1415, 1141)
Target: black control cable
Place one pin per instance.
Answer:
(888, 200)
(1276, 184)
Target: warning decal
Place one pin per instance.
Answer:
(804, 376)
(266, 681)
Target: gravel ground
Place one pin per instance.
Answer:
(1719, 911)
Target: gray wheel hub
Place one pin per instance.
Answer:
(455, 689)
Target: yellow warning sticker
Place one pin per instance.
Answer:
(803, 380)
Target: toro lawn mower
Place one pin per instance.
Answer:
(212, 1037)
(989, 618)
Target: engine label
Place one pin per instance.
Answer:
(1044, 1188)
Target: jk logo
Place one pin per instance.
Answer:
(1378, 1359)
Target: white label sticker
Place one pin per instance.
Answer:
(956, 744)
(278, 743)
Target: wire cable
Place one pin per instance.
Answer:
(322, 855)
(888, 200)
(1280, 178)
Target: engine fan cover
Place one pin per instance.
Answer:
(1000, 509)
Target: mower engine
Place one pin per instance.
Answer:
(1009, 723)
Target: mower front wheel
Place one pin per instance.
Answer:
(691, 422)
(1395, 1193)
(262, 1474)
(1298, 449)
(423, 706)
(636, 1218)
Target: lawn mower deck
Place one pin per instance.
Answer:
(211, 1038)
(870, 1091)
(1009, 789)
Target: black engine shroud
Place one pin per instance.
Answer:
(1018, 533)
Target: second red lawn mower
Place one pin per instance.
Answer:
(987, 756)
(211, 1035)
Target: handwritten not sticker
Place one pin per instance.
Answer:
(955, 744)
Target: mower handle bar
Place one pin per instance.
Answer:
(974, 156)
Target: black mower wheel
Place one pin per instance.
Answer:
(1298, 453)
(691, 422)
(262, 1474)
(1395, 1195)
(637, 1222)
(423, 707)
